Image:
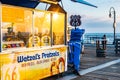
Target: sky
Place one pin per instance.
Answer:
(94, 20)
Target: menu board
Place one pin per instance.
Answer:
(12, 14)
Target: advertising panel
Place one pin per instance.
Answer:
(34, 64)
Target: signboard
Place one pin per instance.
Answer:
(33, 65)
(75, 20)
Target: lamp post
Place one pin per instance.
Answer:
(112, 10)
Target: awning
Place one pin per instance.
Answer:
(34, 3)
(22, 3)
(84, 2)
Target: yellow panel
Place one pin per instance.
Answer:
(12, 14)
(58, 28)
(34, 64)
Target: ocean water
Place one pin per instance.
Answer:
(92, 37)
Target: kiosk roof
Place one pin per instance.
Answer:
(22, 3)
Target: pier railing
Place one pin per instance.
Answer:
(117, 46)
(91, 39)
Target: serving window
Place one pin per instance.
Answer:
(42, 28)
(58, 28)
(31, 28)
(16, 27)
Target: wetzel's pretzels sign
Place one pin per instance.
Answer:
(34, 64)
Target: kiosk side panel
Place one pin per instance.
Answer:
(34, 64)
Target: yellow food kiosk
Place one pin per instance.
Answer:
(33, 42)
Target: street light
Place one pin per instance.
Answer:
(112, 10)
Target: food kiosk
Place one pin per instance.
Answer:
(32, 43)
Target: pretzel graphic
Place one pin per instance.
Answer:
(59, 65)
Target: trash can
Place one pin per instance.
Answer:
(74, 56)
(75, 47)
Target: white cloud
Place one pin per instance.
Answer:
(99, 19)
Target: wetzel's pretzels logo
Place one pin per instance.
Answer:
(28, 58)
(37, 56)
(50, 54)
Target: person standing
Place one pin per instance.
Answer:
(104, 42)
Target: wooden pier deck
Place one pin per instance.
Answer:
(107, 68)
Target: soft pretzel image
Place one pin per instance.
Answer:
(59, 66)
(53, 66)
